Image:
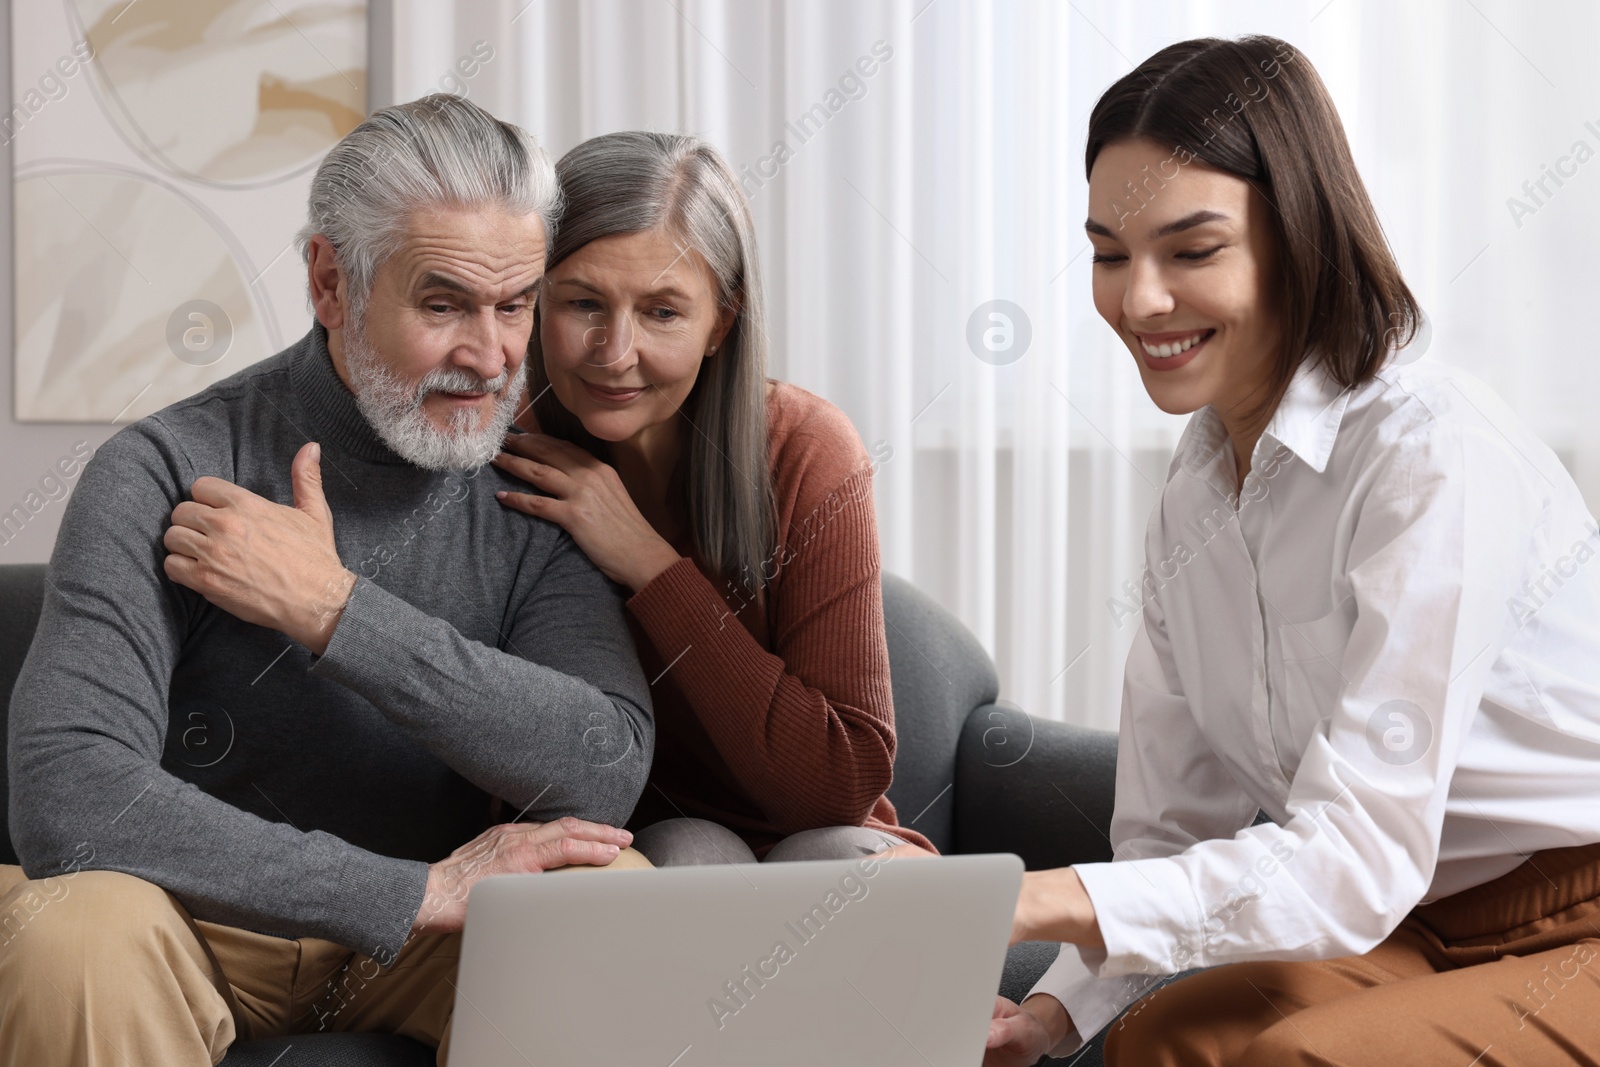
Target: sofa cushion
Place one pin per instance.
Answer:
(331, 1050)
(1041, 789)
(21, 595)
(939, 673)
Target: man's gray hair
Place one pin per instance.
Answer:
(441, 149)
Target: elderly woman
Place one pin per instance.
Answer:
(737, 510)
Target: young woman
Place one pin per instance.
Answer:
(1369, 612)
(737, 510)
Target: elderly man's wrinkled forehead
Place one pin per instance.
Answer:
(488, 254)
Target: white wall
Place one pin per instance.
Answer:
(1018, 494)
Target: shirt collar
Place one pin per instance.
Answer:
(1305, 422)
(1308, 416)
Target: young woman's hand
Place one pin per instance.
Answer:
(1054, 906)
(589, 501)
(1019, 1035)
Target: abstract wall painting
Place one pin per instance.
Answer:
(161, 154)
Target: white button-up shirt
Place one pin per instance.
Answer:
(1388, 641)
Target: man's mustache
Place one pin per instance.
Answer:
(459, 380)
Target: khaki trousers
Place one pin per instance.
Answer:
(1504, 973)
(102, 969)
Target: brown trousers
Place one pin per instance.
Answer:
(1504, 973)
(102, 969)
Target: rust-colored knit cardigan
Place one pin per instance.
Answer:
(774, 714)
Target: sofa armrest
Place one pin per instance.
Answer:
(1035, 787)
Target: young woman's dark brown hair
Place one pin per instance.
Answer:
(1255, 108)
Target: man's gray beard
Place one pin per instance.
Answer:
(394, 408)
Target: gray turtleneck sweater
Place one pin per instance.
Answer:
(481, 655)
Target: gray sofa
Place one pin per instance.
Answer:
(973, 775)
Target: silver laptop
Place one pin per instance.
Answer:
(825, 964)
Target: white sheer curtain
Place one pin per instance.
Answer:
(951, 176)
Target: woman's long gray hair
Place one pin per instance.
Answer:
(631, 182)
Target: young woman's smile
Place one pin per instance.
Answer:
(1169, 351)
(1186, 280)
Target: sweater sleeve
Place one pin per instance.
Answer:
(89, 720)
(558, 722)
(807, 729)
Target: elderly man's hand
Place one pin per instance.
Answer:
(263, 562)
(511, 848)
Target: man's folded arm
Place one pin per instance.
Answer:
(88, 725)
(556, 721)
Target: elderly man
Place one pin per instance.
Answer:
(293, 648)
